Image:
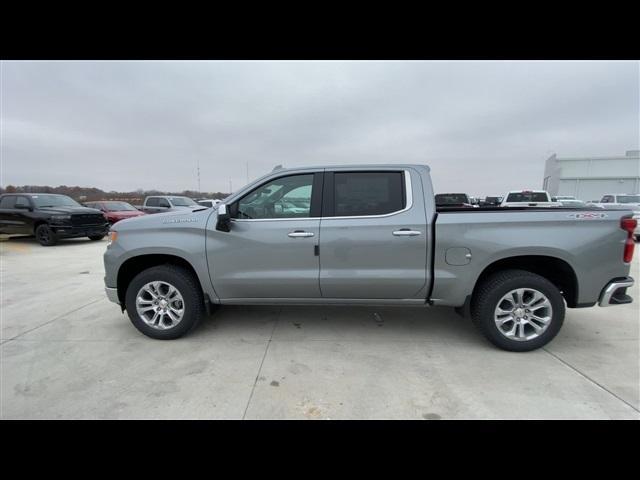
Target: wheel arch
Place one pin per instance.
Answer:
(554, 269)
(134, 265)
(38, 222)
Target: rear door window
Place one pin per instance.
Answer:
(368, 193)
(152, 202)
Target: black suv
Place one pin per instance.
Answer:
(50, 217)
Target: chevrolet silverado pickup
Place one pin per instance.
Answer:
(50, 217)
(370, 235)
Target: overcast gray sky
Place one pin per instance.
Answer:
(483, 127)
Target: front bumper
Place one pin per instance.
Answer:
(615, 293)
(112, 294)
(68, 231)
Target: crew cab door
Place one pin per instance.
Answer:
(373, 235)
(269, 251)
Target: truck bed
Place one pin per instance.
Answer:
(590, 242)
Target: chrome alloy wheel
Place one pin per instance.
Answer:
(523, 314)
(160, 305)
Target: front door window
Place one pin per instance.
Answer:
(285, 197)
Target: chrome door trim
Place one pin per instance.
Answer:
(409, 204)
(274, 219)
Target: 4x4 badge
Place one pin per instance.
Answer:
(587, 216)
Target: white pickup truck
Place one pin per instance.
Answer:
(622, 200)
(528, 198)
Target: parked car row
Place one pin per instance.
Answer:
(514, 198)
(541, 198)
(51, 217)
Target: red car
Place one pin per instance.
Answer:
(115, 211)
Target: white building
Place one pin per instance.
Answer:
(590, 178)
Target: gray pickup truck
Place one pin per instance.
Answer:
(370, 235)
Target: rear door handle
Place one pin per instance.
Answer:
(300, 234)
(405, 232)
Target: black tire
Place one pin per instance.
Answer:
(45, 235)
(184, 281)
(96, 237)
(494, 288)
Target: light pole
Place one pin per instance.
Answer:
(199, 177)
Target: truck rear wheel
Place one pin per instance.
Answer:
(45, 235)
(518, 310)
(164, 302)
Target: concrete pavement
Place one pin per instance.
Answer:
(66, 352)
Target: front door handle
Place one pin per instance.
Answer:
(405, 232)
(300, 234)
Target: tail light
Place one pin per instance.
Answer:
(628, 224)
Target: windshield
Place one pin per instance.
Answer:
(119, 207)
(528, 197)
(42, 201)
(451, 199)
(628, 198)
(183, 202)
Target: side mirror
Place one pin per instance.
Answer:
(224, 219)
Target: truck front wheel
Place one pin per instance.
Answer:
(164, 302)
(518, 310)
(46, 236)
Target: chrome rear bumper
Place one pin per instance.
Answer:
(615, 292)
